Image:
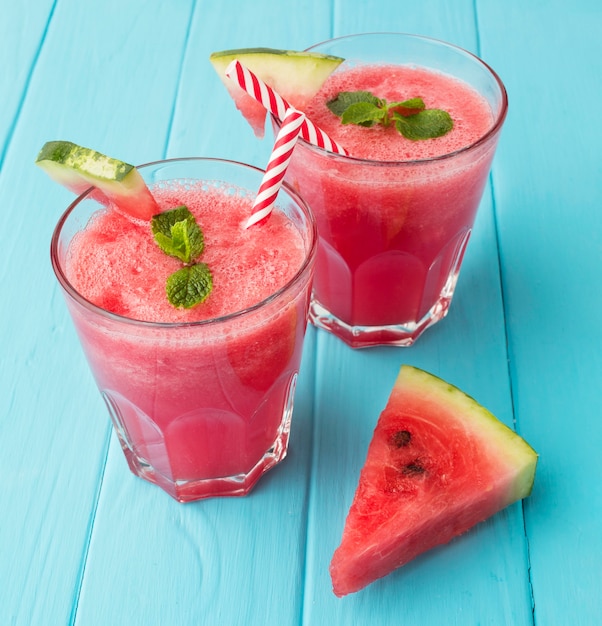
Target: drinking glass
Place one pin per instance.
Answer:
(392, 234)
(200, 408)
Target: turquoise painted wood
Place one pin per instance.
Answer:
(84, 542)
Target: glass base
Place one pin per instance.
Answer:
(402, 335)
(189, 490)
(192, 490)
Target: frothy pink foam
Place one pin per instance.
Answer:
(116, 264)
(470, 112)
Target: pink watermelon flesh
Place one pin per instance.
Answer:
(78, 169)
(137, 201)
(131, 207)
(131, 197)
(438, 464)
(254, 112)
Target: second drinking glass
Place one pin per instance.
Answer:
(393, 229)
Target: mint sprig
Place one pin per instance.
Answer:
(411, 117)
(176, 232)
(189, 286)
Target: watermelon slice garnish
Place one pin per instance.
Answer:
(78, 168)
(296, 76)
(438, 464)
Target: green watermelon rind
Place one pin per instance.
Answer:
(88, 163)
(296, 76)
(79, 168)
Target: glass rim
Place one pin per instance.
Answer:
(491, 132)
(73, 293)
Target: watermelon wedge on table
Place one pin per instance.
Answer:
(438, 464)
(296, 76)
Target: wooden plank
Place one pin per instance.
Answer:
(481, 577)
(548, 181)
(220, 561)
(94, 76)
(22, 33)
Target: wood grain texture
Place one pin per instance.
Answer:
(473, 578)
(547, 178)
(83, 541)
(88, 84)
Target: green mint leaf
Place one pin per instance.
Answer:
(189, 286)
(408, 107)
(177, 234)
(363, 114)
(427, 124)
(345, 99)
(412, 119)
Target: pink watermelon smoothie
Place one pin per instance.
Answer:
(116, 264)
(201, 399)
(395, 217)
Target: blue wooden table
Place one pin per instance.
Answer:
(83, 541)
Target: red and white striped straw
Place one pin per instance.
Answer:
(276, 168)
(278, 106)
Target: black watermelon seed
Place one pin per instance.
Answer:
(400, 439)
(413, 469)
